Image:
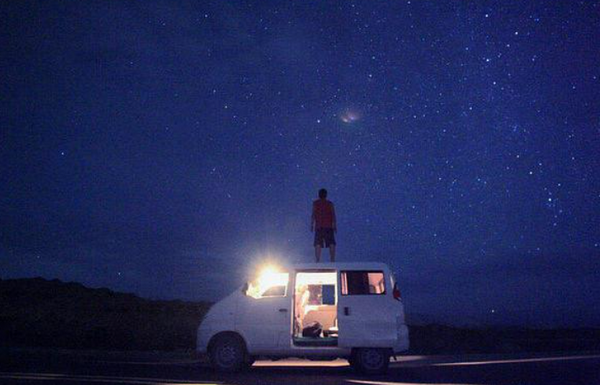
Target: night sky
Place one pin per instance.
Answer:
(167, 148)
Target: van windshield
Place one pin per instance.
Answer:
(271, 284)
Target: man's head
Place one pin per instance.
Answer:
(322, 193)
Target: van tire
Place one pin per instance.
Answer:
(228, 353)
(370, 360)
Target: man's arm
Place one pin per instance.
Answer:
(334, 219)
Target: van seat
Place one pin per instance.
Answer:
(324, 314)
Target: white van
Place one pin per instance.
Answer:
(315, 311)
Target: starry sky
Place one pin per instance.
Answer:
(168, 148)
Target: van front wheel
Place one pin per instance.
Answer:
(370, 360)
(228, 354)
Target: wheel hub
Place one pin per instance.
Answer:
(227, 355)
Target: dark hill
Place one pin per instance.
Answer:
(42, 313)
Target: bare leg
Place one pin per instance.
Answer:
(332, 252)
(318, 253)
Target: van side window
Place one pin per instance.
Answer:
(363, 282)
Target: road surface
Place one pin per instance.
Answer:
(43, 368)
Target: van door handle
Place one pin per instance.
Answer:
(283, 310)
(346, 310)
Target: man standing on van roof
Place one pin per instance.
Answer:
(324, 224)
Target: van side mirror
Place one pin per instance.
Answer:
(245, 288)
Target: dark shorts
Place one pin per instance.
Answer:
(324, 237)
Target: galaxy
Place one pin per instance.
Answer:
(165, 149)
(350, 116)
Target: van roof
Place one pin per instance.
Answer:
(341, 266)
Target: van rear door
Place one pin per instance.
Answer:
(366, 315)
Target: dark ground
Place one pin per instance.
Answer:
(50, 367)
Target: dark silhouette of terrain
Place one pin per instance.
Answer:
(36, 312)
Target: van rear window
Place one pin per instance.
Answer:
(363, 283)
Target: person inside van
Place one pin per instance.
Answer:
(323, 223)
(302, 296)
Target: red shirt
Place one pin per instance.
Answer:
(323, 213)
